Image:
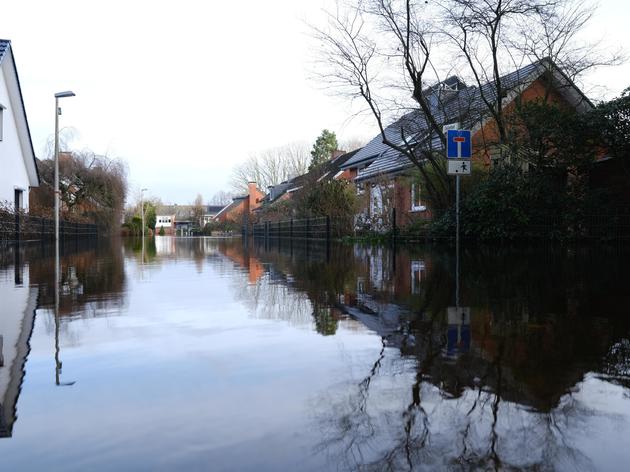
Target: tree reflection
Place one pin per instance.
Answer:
(502, 400)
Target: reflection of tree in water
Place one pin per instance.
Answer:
(92, 276)
(325, 320)
(297, 289)
(508, 400)
(432, 430)
(269, 299)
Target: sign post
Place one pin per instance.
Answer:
(458, 155)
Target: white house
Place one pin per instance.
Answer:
(17, 159)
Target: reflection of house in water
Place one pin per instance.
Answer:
(243, 258)
(19, 302)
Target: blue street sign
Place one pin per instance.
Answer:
(458, 144)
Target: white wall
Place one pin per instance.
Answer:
(167, 224)
(13, 173)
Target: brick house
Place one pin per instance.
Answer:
(384, 176)
(326, 172)
(239, 211)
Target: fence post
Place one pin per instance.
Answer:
(327, 228)
(278, 230)
(17, 224)
(291, 229)
(327, 238)
(308, 228)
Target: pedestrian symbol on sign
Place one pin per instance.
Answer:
(459, 167)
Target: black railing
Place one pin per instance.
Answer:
(317, 228)
(607, 224)
(26, 227)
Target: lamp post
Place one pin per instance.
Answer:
(57, 191)
(57, 194)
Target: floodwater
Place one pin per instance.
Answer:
(208, 354)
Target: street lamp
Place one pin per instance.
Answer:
(57, 191)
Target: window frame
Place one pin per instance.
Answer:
(419, 206)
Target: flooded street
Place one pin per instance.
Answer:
(212, 354)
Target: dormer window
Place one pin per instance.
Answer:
(2, 108)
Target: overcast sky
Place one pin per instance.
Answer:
(184, 90)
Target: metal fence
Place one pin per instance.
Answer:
(27, 227)
(319, 228)
(607, 224)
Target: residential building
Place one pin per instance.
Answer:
(17, 158)
(210, 213)
(384, 176)
(174, 218)
(240, 210)
(330, 170)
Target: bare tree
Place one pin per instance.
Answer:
(93, 188)
(198, 210)
(394, 54)
(352, 144)
(221, 198)
(353, 61)
(272, 166)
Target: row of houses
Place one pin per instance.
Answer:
(182, 219)
(382, 174)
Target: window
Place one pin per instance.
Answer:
(417, 270)
(2, 108)
(19, 199)
(416, 202)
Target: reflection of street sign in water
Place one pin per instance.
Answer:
(459, 167)
(458, 334)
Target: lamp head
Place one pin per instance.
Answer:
(65, 94)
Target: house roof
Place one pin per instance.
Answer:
(236, 201)
(24, 132)
(325, 172)
(213, 209)
(4, 46)
(464, 105)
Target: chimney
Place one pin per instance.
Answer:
(336, 153)
(252, 195)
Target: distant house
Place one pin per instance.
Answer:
(210, 213)
(329, 170)
(382, 174)
(174, 218)
(165, 223)
(17, 159)
(239, 211)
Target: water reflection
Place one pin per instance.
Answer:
(276, 356)
(503, 384)
(85, 279)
